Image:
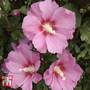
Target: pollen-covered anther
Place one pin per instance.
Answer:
(48, 28)
(28, 69)
(59, 72)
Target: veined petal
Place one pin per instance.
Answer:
(40, 43)
(47, 8)
(56, 43)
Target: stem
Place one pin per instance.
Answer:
(8, 24)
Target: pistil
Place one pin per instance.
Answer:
(48, 28)
(59, 72)
(30, 69)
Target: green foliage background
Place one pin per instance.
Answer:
(10, 31)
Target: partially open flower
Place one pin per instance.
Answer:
(23, 64)
(64, 73)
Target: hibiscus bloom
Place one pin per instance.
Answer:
(64, 73)
(49, 26)
(22, 64)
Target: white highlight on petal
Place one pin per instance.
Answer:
(59, 72)
(67, 11)
(28, 69)
(48, 28)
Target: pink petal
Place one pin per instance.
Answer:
(13, 67)
(25, 40)
(30, 56)
(17, 80)
(26, 52)
(66, 18)
(75, 73)
(48, 77)
(67, 59)
(13, 45)
(71, 68)
(68, 33)
(28, 34)
(56, 43)
(52, 66)
(55, 85)
(36, 78)
(4, 68)
(30, 26)
(27, 84)
(29, 21)
(39, 42)
(17, 57)
(47, 8)
(35, 10)
(67, 84)
(35, 59)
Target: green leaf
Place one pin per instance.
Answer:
(41, 86)
(85, 32)
(23, 10)
(16, 35)
(78, 19)
(47, 60)
(6, 5)
(49, 57)
(1, 57)
(65, 1)
(1, 52)
(82, 54)
(78, 88)
(70, 6)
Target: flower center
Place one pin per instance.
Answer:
(29, 69)
(48, 28)
(59, 72)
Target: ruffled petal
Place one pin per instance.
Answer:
(13, 67)
(66, 19)
(47, 8)
(36, 77)
(27, 84)
(55, 85)
(39, 42)
(35, 10)
(67, 84)
(17, 79)
(56, 43)
(30, 56)
(74, 73)
(17, 57)
(48, 77)
(31, 26)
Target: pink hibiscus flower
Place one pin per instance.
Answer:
(49, 26)
(64, 73)
(22, 64)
